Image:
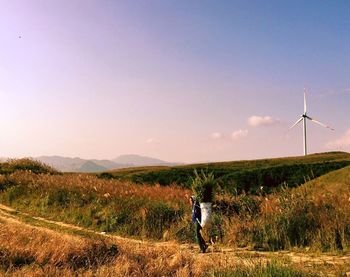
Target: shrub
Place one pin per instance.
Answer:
(26, 164)
(159, 218)
(105, 175)
(15, 192)
(60, 197)
(6, 182)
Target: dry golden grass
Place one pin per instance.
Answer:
(314, 215)
(106, 205)
(106, 188)
(36, 251)
(32, 251)
(22, 245)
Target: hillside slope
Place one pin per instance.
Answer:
(137, 160)
(241, 176)
(334, 183)
(66, 164)
(316, 215)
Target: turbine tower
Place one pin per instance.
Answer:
(303, 118)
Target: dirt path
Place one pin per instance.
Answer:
(330, 263)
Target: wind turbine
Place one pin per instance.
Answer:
(303, 118)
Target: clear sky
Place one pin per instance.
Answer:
(177, 80)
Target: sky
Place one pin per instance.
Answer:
(183, 81)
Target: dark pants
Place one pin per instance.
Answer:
(199, 237)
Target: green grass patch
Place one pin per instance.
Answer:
(271, 269)
(247, 176)
(135, 217)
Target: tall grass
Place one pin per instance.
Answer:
(22, 246)
(105, 205)
(36, 251)
(315, 215)
(270, 269)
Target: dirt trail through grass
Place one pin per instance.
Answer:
(327, 264)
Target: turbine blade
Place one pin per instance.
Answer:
(320, 123)
(300, 119)
(304, 100)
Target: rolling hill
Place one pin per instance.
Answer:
(66, 164)
(137, 160)
(309, 219)
(241, 175)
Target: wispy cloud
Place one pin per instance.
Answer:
(235, 135)
(239, 134)
(341, 142)
(152, 141)
(216, 135)
(256, 121)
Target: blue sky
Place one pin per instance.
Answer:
(177, 80)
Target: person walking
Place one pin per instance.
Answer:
(196, 219)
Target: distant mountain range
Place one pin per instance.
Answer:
(65, 164)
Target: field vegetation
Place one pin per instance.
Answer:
(241, 176)
(104, 205)
(26, 164)
(312, 216)
(36, 251)
(28, 249)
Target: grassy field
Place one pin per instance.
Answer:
(312, 218)
(27, 250)
(314, 215)
(241, 176)
(105, 205)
